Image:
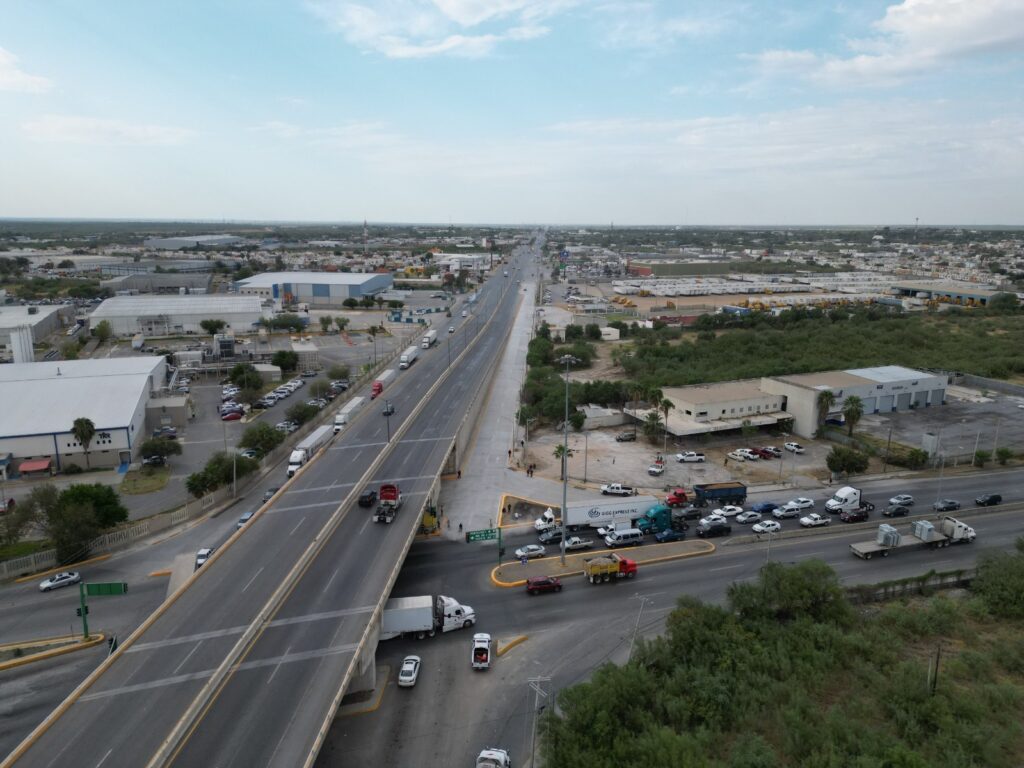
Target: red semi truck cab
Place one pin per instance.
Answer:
(378, 387)
(677, 498)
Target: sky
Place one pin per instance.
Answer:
(704, 112)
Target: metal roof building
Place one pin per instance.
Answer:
(171, 315)
(319, 289)
(44, 399)
(195, 241)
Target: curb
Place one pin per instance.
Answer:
(374, 706)
(650, 561)
(61, 569)
(93, 641)
(503, 649)
(166, 572)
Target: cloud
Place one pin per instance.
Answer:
(913, 38)
(640, 25)
(13, 78)
(73, 129)
(413, 29)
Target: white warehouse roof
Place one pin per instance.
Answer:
(214, 305)
(46, 398)
(888, 374)
(270, 279)
(13, 316)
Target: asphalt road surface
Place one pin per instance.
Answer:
(267, 710)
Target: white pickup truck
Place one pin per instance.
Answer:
(618, 489)
(575, 542)
(689, 456)
(813, 520)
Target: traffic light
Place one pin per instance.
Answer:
(78, 611)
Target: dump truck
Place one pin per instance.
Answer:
(305, 450)
(608, 567)
(922, 534)
(424, 616)
(718, 494)
(389, 500)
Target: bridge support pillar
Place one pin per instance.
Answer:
(365, 677)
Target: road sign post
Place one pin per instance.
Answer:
(83, 611)
(484, 534)
(99, 589)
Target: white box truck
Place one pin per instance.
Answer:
(307, 449)
(424, 616)
(408, 357)
(346, 413)
(429, 340)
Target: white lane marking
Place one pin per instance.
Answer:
(272, 510)
(250, 581)
(728, 567)
(101, 762)
(328, 584)
(177, 669)
(366, 522)
(269, 679)
(293, 530)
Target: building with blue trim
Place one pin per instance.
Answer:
(318, 289)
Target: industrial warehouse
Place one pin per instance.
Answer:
(113, 393)
(724, 406)
(318, 289)
(171, 315)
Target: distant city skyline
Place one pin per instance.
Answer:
(508, 112)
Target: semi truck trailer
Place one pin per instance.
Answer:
(922, 534)
(424, 616)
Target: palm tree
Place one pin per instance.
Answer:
(652, 424)
(562, 453)
(826, 399)
(84, 431)
(853, 409)
(666, 406)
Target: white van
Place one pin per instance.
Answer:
(631, 537)
(465, 313)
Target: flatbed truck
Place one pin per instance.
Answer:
(948, 531)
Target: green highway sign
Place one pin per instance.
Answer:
(106, 588)
(485, 534)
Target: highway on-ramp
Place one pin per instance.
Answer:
(249, 676)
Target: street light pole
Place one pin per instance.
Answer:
(387, 416)
(643, 602)
(568, 360)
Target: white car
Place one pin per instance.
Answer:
(793, 447)
(530, 551)
(656, 469)
(902, 499)
(736, 455)
(689, 456)
(59, 580)
(712, 519)
(729, 510)
(743, 518)
(801, 502)
(202, 556)
(451, 329)
(767, 526)
(748, 454)
(409, 672)
(813, 520)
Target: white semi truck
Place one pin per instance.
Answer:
(948, 531)
(429, 340)
(408, 357)
(347, 412)
(424, 616)
(307, 449)
(598, 514)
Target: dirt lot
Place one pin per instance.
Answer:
(598, 458)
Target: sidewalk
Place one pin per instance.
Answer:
(474, 499)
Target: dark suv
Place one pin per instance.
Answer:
(367, 498)
(539, 584)
(988, 500)
(853, 515)
(710, 530)
(896, 510)
(626, 437)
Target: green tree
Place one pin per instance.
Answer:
(69, 350)
(103, 331)
(84, 431)
(544, 330)
(15, 521)
(213, 326)
(288, 321)
(825, 400)
(981, 458)
(285, 359)
(562, 453)
(1003, 303)
(577, 419)
(325, 323)
(846, 461)
(71, 528)
(747, 429)
(319, 388)
(666, 406)
(1000, 582)
(246, 376)
(853, 410)
(160, 446)
(261, 437)
(66, 264)
(342, 323)
(102, 499)
(1003, 455)
(300, 413)
(197, 484)
(652, 425)
(350, 303)
(573, 332)
(338, 371)
(593, 331)
(248, 396)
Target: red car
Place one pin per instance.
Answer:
(231, 416)
(763, 453)
(539, 584)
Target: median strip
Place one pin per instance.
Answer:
(65, 645)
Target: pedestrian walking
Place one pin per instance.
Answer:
(449, 522)
(510, 454)
(460, 527)
(458, 475)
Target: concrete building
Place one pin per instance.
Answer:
(309, 354)
(318, 289)
(194, 241)
(42, 320)
(42, 401)
(882, 389)
(963, 294)
(472, 262)
(160, 282)
(721, 407)
(171, 315)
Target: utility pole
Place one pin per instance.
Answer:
(643, 602)
(537, 684)
(568, 360)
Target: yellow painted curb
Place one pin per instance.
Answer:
(44, 655)
(502, 650)
(650, 561)
(380, 698)
(61, 569)
(161, 573)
